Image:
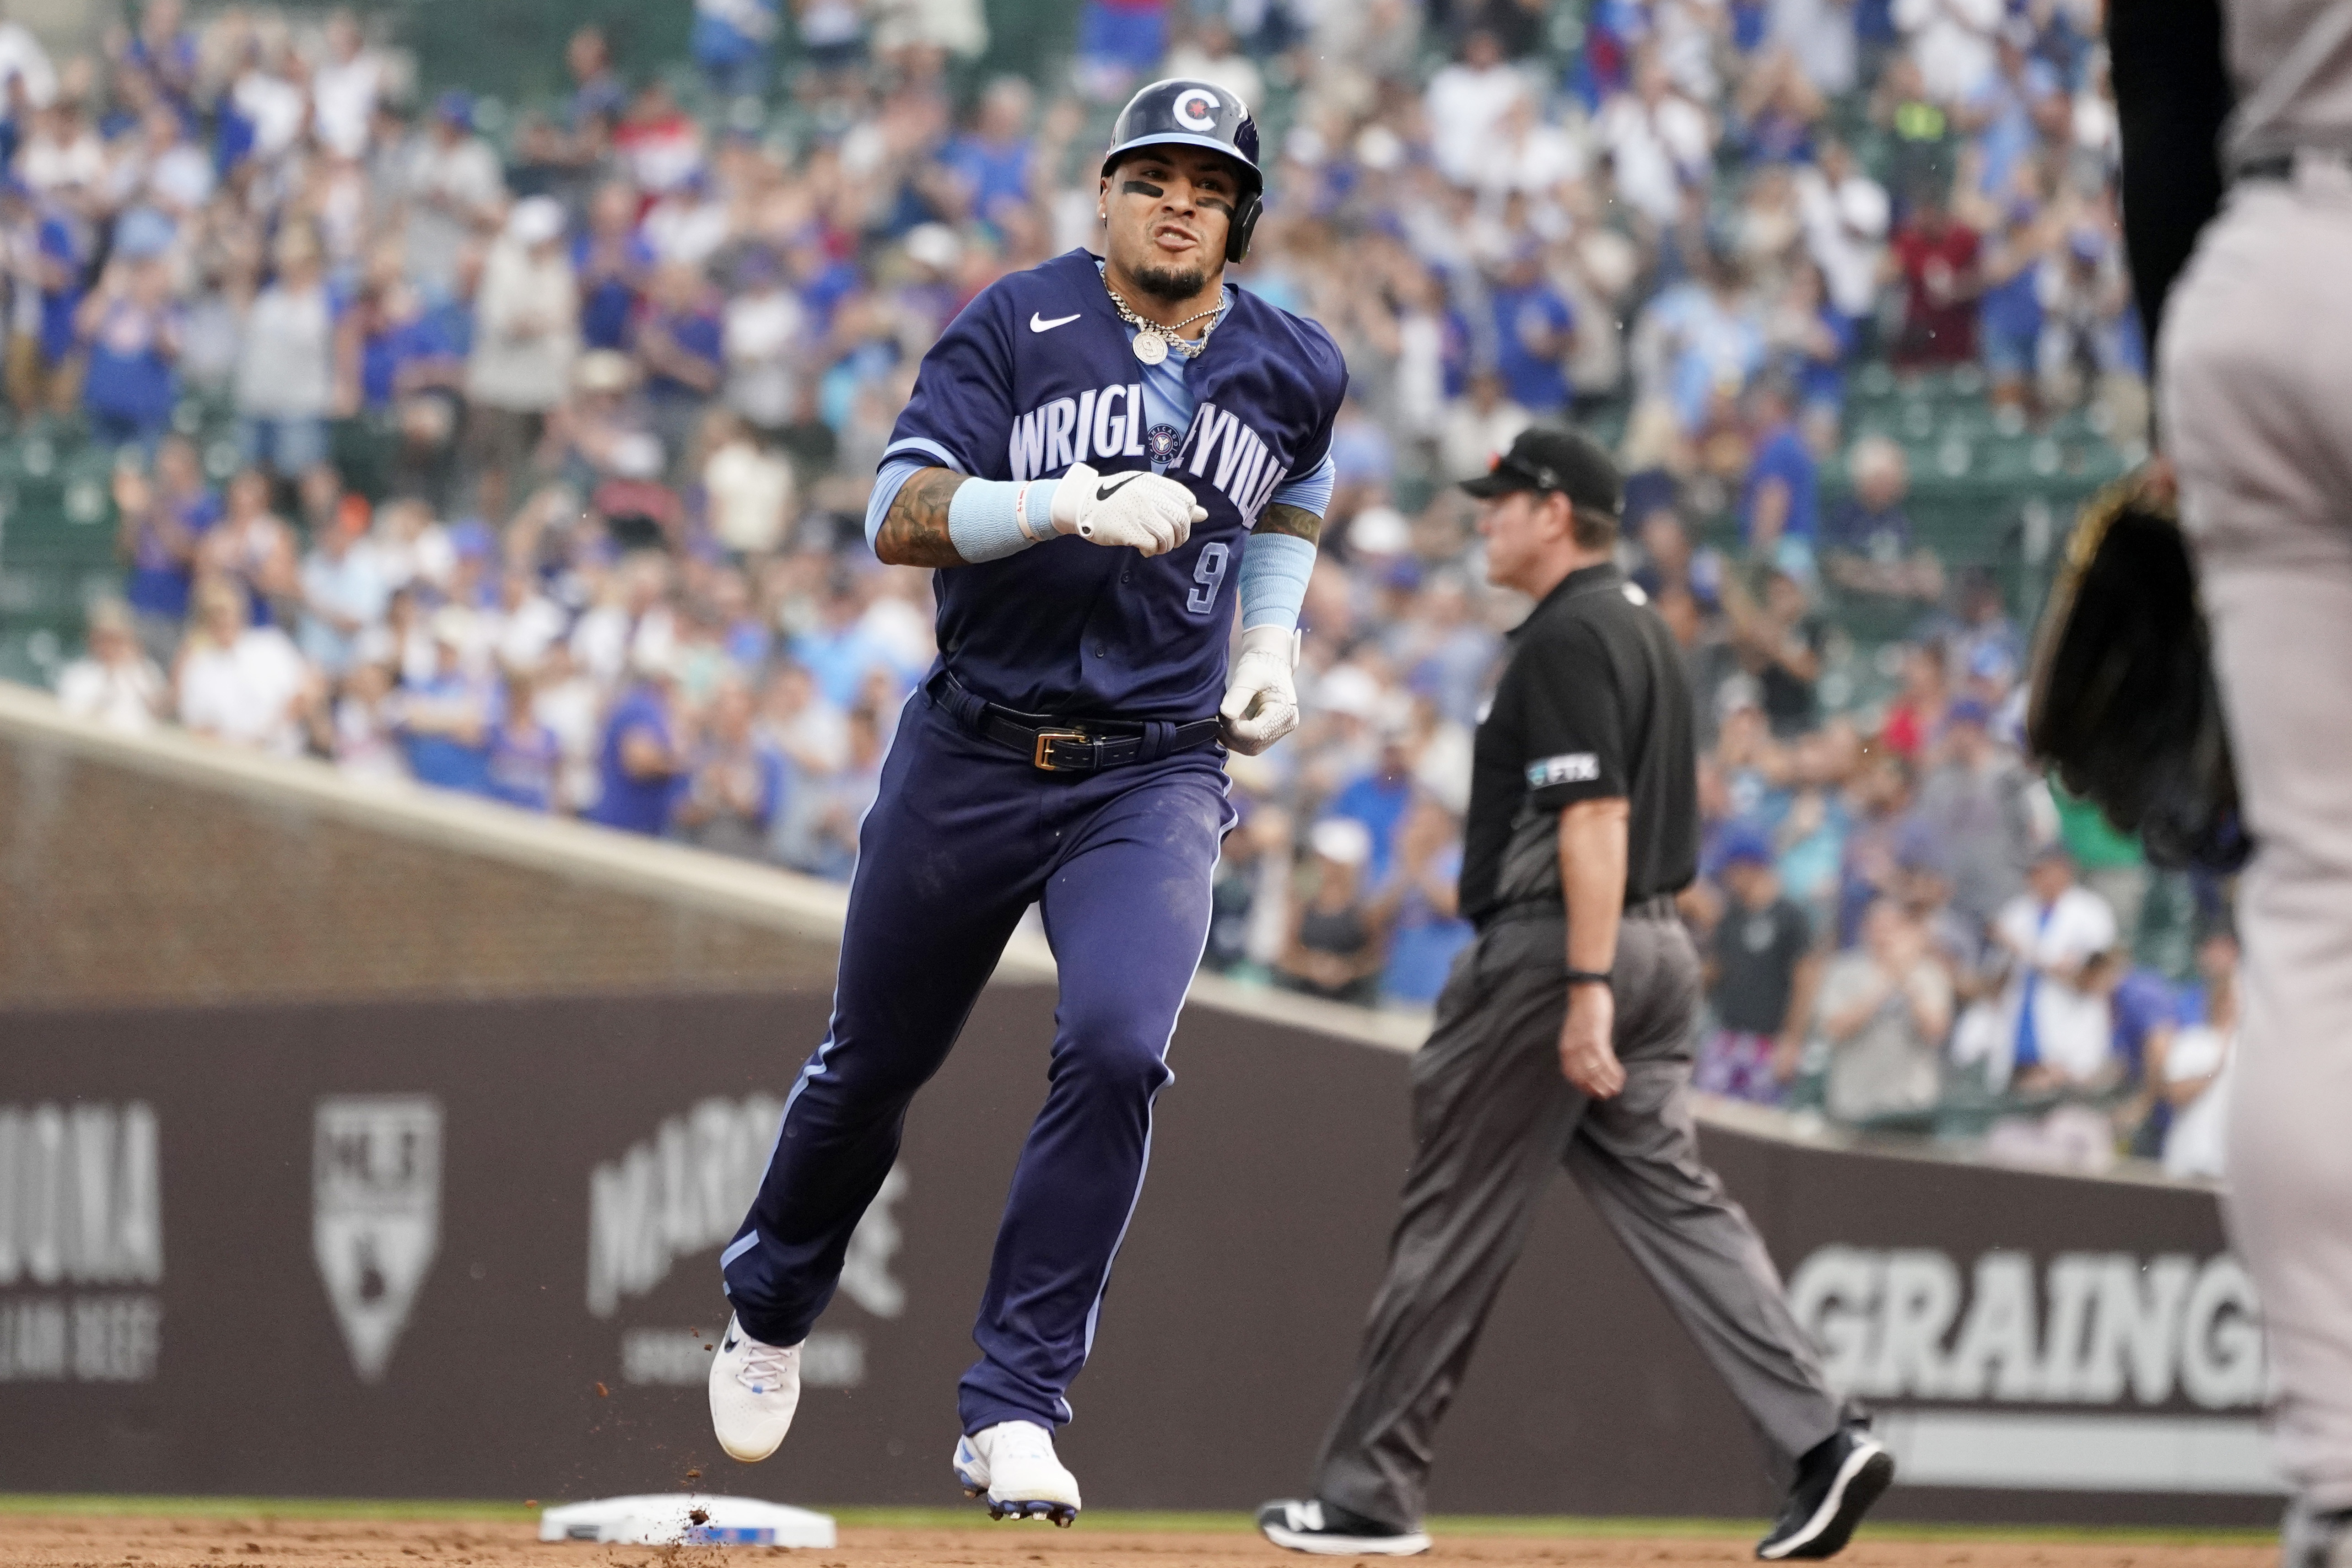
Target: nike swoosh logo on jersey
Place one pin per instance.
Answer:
(1038, 323)
(1105, 492)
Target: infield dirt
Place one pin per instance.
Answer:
(36, 1541)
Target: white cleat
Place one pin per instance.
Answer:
(754, 1389)
(1013, 1465)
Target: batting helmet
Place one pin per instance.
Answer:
(1185, 113)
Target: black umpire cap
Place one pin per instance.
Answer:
(1543, 459)
(1184, 112)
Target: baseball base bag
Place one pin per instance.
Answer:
(2124, 704)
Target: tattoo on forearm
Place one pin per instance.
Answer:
(915, 532)
(1296, 521)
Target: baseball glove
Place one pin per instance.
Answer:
(2124, 704)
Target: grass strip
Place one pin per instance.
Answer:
(84, 1504)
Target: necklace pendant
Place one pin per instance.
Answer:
(1150, 347)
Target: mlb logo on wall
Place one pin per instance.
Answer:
(375, 1221)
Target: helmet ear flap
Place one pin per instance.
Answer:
(1244, 224)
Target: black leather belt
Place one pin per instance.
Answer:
(2281, 165)
(1068, 746)
(1657, 906)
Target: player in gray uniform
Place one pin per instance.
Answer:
(2254, 355)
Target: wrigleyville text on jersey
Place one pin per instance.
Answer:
(1104, 426)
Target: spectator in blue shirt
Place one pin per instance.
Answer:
(1418, 906)
(1118, 40)
(1710, 330)
(643, 763)
(163, 522)
(1380, 798)
(559, 156)
(1812, 339)
(165, 52)
(403, 364)
(40, 370)
(599, 97)
(131, 328)
(1535, 331)
(822, 279)
(1364, 458)
(2145, 1008)
(446, 721)
(2147, 1011)
(366, 361)
(388, 347)
(849, 794)
(1780, 506)
(427, 349)
(2009, 311)
(731, 797)
(612, 262)
(730, 42)
(991, 161)
(343, 590)
(1998, 116)
(682, 343)
(839, 652)
(526, 757)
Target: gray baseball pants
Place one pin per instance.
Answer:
(1492, 1118)
(2257, 388)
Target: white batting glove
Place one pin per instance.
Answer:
(1261, 704)
(1152, 513)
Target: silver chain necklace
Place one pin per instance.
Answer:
(1154, 340)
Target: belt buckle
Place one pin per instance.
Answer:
(1042, 756)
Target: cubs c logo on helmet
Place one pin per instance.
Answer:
(1198, 108)
(1189, 113)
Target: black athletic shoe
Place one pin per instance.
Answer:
(1330, 1530)
(1837, 1480)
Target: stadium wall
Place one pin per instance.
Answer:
(363, 1142)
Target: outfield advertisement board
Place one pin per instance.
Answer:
(470, 1249)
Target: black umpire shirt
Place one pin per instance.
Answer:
(1592, 705)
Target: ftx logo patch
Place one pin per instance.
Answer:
(1574, 768)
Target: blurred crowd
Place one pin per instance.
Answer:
(544, 456)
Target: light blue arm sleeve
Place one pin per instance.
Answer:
(887, 485)
(1311, 491)
(1276, 567)
(1275, 570)
(981, 524)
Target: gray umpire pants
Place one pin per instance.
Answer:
(1493, 1117)
(2257, 384)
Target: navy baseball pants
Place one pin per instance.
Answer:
(965, 835)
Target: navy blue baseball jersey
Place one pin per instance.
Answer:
(1037, 373)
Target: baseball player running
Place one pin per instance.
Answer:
(1103, 456)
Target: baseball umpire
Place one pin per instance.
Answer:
(1563, 1038)
(1103, 456)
